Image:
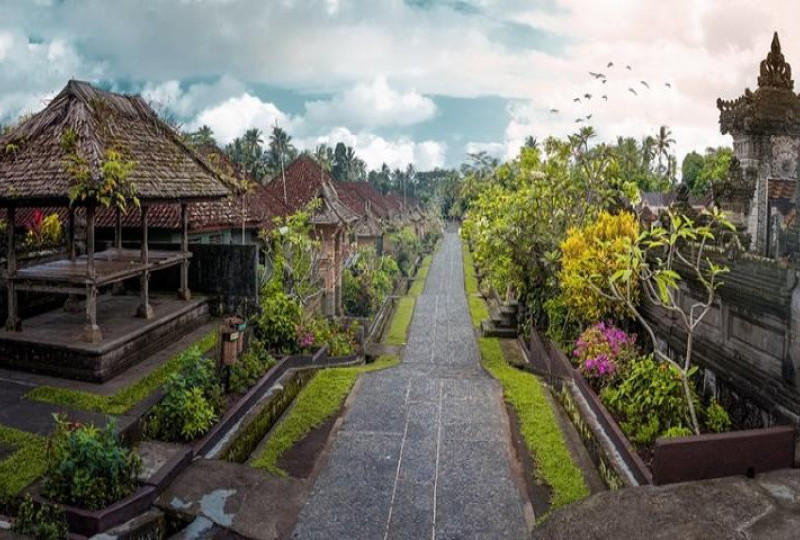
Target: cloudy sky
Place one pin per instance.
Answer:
(422, 81)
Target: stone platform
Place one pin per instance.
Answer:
(51, 343)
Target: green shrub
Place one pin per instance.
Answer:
(406, 248)
(649, 399)
(717, 419)
(319, 332)
(252, 365)
(190, 406)
(88, 467)
(677, 431)
(367, 282)
(47, 522)
(276, 326)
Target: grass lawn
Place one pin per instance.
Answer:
(398, 328)
(478, 310)
(422, 275)
(322, 397)
(538, 425)
(25, 465)
(127, 397)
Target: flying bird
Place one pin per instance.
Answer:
(610, 64)
(554, 111)
(597, 75)
(605, 97)
(644, 83)
(588, 116)
(587, 96)
(632, 91)
(577, 100)
(628, 68)
(667, 85)
(604, 81)
(578, 120)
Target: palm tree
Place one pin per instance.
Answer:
(279, 144)
(664, 142)
(531, 142)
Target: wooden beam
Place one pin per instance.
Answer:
(145, 311)
(91, 332)
(184, 293)
(71, 248)
(118, 228)
(12, 321)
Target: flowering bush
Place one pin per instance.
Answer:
(313, 333)
(602, 351)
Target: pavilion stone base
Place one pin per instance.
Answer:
(52, 344)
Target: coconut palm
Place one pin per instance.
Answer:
(664, 142)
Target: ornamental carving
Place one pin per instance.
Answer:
(775, 72)
(783, 161)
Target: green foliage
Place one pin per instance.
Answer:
(47, 522)
(538, 426)
(405, 248)
(690, 169)
(478, 310)
(28, 462)
(717, 419)
(700, 173)
(88, 467)
(318, 401)
(398, 328)
(43, 231)
(122, 401)
(114, 187)
(367, 282)
(318, 332)
(252, 365)
(190, 406)
(276, 325)
(677, 431)
(649, 400)
(590, 256)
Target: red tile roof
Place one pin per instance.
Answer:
(781, 189)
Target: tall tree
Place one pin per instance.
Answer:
(248, 153)
(204, 135)
(664, 142)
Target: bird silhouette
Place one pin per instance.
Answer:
(604, 81)
(554, 111)
(605, 97)
(667, 85)
(577, 100)
(610, 64)
(587, 96)
(578, 120)
(645, 84)
(597, 75)
(588, 116)
(628, 68)
(632, 91)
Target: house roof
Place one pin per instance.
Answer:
(350, 193)
(781, 189)
(306, 182)
(33, 164)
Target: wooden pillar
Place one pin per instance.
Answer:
(118, 228)
(145, 311)
(72, 304)
(184, 293)
(338, 267)
(12, 321)
(91, 332)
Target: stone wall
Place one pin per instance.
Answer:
(748, 344)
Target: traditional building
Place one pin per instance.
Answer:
(372, 223)
(302, 183)
(765, 126)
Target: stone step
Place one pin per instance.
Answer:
(488, 329)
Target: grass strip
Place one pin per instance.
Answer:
(478, 309)
(322, 398)
(25, 465)
(422, 275)
(538, 426)
(398, 328)
(122, 401)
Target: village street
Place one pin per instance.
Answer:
(424, 450)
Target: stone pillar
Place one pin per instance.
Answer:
(145, 311)
(184, 293)
(13, 323)
(91, 332)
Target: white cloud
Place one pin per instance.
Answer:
(372, 104)
(234, 116)
(494, 149)
(376, 150)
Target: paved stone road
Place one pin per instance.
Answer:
(424, 450)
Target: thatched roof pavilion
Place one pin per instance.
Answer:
(85, 123)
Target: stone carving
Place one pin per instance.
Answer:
(774, 71)
(785, 151)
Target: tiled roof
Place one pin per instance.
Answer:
(781, 189)
(166, 169)
(306, 182)
(350, 193)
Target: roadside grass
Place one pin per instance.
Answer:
(322, 398)
(126, 398)
(422, 276)
(398, 328)
(478, 310)
(26, 464)
(538, 426)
